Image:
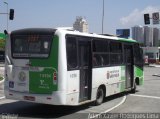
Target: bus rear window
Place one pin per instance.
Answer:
(31, 46)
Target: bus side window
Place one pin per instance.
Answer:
(97, 60)
(138, 55)
(101, 52)
(71, 52)
(116, 53)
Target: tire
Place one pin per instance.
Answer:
(99, 96)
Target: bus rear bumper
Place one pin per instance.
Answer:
(57, 98)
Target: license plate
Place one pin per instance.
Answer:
(29, 98)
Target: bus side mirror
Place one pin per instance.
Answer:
(11, 14)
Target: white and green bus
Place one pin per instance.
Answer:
(67, 67)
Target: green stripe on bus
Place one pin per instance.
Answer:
(42, 82)
(127, 40)
(139, 73)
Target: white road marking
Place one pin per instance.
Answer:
(2, 97)
(145, 96)
(108, 110)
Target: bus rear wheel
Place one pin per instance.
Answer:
(99, 96)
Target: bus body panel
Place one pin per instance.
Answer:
(138, 73)
(62, 62)
(73, 81)
(112, 77)
(56, 98)
(39, 86)
(73, 87)
(35, 76)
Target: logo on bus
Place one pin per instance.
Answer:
(22, 76)
(112, 74)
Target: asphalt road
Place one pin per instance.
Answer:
(147, 97)
(146, 100)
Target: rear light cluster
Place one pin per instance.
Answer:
(54, 78)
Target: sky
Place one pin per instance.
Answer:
(118, 14)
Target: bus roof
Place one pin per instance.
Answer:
(74, 32)
(67, 30)
(31, 31)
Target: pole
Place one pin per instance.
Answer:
(7, 14)
(103, 17)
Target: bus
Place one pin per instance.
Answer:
(66, 67)
(2, 46)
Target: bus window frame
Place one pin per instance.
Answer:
(77, 67)
(119, 53)
(78, 38)
(100, 53)
(49, 53)
(140, 62)
(109, 53)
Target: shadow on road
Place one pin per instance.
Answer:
(32, 110)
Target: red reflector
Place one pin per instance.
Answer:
(10, 94)
(54, 76)
(30, 98)
(49, 98)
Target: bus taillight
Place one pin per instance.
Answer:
(55, 78)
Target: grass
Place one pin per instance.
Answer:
(1, 78)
